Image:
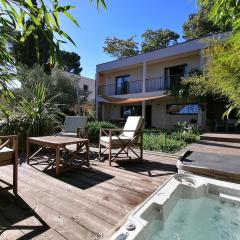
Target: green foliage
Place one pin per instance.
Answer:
(70, 62)
(31, 115)
(199, 25)
(155, 140)
(161, 38)
(152, 40)
(119, 48)
(221, 74)
(224, 12)
(171, 141)
(38, 19)
(94, 129)
(59, 85)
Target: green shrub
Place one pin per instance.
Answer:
(28, 116)
(94, 129)
(171, 140)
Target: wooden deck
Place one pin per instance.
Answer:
(221, 137)
(82, 204)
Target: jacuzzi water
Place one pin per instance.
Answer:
(199, 219)
(186, 207)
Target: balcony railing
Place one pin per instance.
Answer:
(120, 89)
(151, 85)
(154, 84)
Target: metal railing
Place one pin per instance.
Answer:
(151, 85)
(121, 89)
(154, 84)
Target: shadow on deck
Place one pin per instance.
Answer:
(18, 220)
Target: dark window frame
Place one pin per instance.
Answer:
(130, 106)
(182, 114)
(116, 83)
(167, 77)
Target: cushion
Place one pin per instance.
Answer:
(115, 140)
(66, 134)
(6, 154)
(133, 123)
(71, 123)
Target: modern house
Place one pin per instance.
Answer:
(142, 84)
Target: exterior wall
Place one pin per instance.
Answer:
(157, 69)
(154, 70)
(81, 80)
(135, 74)
(91, 86)
(160, 118)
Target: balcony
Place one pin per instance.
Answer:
(154, 84)
(130, 87)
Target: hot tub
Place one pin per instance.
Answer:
(186, 207)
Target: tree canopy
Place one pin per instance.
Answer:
(152, 40)
(199, 24)
(71, 62)
(33, 18)
(120, 48)
(221, 74)
(160, 38)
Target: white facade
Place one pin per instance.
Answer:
(148, 76)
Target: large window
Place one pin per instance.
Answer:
(173, 76)
(122, 84)
(183, 109)
(131, 111)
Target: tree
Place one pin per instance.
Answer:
(161, 38)
(119, 48)
(43, 17)
(221, 74)
(30, 52)
(71, 62)
(59, 86)
(199, 24)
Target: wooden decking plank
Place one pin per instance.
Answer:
(93, 200)
(78, 213)
(120, 182)
(8, 230)
(69, 195)
(85, 204)
(50, 234)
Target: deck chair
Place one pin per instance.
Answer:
(123, 139)
(74, 126)
(9, 156)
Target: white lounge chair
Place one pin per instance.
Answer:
(74, 126)
(123, 139)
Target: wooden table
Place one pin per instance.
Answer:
(57, 143)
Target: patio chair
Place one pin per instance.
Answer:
(9, 156)
(123, 139)
(74, 126)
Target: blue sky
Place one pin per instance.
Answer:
(122, 18)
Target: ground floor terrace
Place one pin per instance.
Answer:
(86, 204)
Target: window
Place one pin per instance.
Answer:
(122, 84)
(131, 111)
(85, 87)
(183, 109)
(173, 75)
